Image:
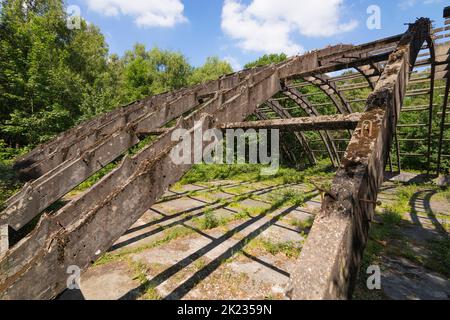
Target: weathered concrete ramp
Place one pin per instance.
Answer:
(332, 253)
(77, 234)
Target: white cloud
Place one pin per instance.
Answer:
(233, 63)
(146, 13)
(268, 25)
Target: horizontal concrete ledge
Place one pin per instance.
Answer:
(334, 122)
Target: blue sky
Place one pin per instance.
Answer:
(242, 30)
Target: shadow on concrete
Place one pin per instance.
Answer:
(215, 205)
(424, 197)
(179, 195)
(188, 285)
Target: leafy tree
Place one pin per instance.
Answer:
(46, 69)
(151, 72)
(213, 69)
(266, 60)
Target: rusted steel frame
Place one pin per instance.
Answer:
(330, 258)
(374, 69)
(442, 125)
(287, 151)
(334, 122)
(324, 84)
(304, 103)
(372, 85)
(430, 42)
(391, 168)
(76, 238)
(276, 107)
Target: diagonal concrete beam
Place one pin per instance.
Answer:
(330, 258)
(75, 235)
(80, 138)
(88, 155)
(41, 193)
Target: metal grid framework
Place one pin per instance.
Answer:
(431, 68)
(76, 233)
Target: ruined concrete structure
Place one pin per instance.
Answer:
(79, 232)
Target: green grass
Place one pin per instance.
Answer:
(208, 221)
(252, 172)
(140, 271)
(169, 235)
(303, 224)
(289, 249)
(288, 197)
(379, 234)
(96, 177)
(439, 258)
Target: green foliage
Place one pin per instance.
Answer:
(46, 70)
(378, 233)
(208, 221)
(303, 224)
(204, 173)
(151, 72)
(211, 70)
(96, 177)
(289, 249)
(52, 77)
(266, 60)
(440, 256)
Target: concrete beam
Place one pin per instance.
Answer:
(70, 148)
(78, 139)
(65, 169)
(4, 239)
(335, 122)
(79, 232)
(39, 194)
(330, 258)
